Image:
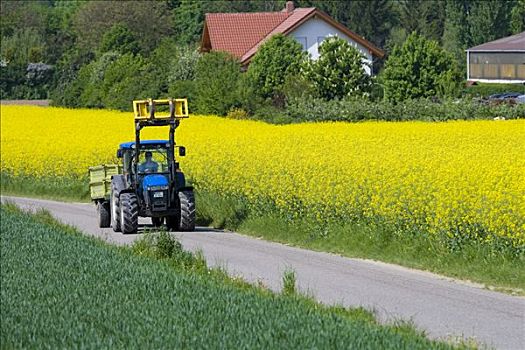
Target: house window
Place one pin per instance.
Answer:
(302, 41)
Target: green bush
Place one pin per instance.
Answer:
(129, 78)
(217, 83)
(277, 58)
(420, 68)
(299, 110)
(339, 71)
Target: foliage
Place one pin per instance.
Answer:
(44, 263)
(289, 283)
(189, 18)
(66, 34)
(119, 39)
(237, 113)
(128, 78)
(354, 110)
(94, 18)
(339, 71)
(455, 35)
(184, 64)
(517, 14)
(216, 83)
(488, 20)
(408, 175)
(423, 17)
(419, 68)
(276, 59)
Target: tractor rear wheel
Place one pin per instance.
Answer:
(114, 204)
(104, 217)
(129, 213)
(157, 222)
(187, 210)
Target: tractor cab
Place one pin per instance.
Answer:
(151, 172)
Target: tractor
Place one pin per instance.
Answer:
(148, 182)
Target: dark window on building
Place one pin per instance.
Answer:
(497, 65)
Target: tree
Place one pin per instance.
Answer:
(189, 19)
(339, 71)
(455, 35)
(517, 15)
(277, 58)
(119, 39)
(216, 83)
(425, 17)
(149, 21)
(488, 20)
(419, 68)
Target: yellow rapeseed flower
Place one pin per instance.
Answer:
(466, 177)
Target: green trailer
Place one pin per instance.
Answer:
(100, 189)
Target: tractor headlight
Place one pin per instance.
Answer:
(157, 188)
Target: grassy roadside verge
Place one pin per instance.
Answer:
(54, 188)
(494, 266)
(475, 262)
(63, 289)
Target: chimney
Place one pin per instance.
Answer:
(289, 6)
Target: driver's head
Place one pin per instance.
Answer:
(148, 155)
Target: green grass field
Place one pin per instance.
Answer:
(61, 289)
(494, 266)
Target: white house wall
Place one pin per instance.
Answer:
(311, 33)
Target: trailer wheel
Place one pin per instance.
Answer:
(129, 213)
(104, 217)
(157, 221)
(187, 210)
(114, 210)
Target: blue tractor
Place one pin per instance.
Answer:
(149, 182)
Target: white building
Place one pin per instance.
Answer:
(241, 34)
(498, 61)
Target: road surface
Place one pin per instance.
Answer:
(442, 307)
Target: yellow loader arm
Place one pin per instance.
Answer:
(146, 109)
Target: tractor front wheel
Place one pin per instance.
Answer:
(187, 210)
(129, 213)
(104, 217)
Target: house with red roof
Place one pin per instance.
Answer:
(241, 34)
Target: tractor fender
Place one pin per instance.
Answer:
(119, 183)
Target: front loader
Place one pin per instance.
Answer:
(148, 182)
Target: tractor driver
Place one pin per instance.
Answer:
(149, 166)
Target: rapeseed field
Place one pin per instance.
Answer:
(464, 179)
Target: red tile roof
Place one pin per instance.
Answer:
(238, 32)
(290, 21)
(241, 34)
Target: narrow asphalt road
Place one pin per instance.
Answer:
(442, 307)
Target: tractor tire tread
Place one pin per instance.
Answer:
(129, 213)
(187, 210)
